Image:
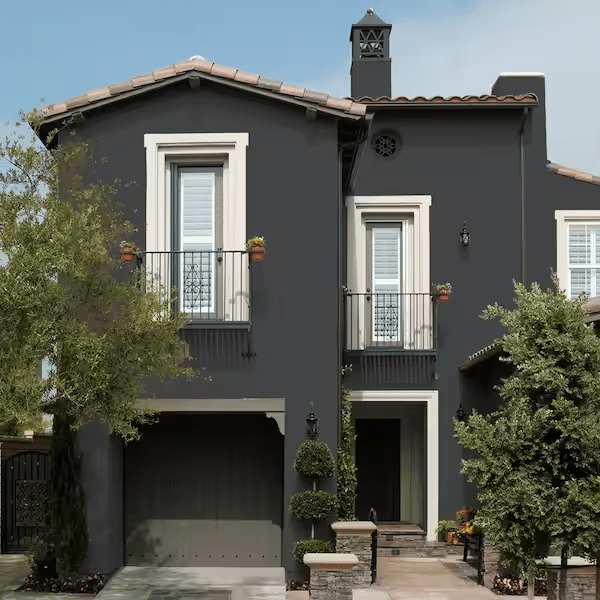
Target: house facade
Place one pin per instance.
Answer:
(363, 202)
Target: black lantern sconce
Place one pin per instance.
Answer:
(460, 414)
(313, 423)
(465, 236)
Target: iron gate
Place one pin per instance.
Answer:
(24, 498)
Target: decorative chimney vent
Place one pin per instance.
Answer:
(371, 72)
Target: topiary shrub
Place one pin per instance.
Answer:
(301, 547)
(314, 505)
(314, 459)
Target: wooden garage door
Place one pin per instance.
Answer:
(205, 490)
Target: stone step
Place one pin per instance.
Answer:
(399, 540)
(426, 550)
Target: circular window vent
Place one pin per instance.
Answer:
(385, 145)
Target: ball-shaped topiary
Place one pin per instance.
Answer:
(301, 547)
(313, 505)
(314, 459)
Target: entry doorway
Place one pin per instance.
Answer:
(378, 466)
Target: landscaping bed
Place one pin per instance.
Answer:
(508, 586)
(84, 584)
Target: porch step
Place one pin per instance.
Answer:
(419, 550)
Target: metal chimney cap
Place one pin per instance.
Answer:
(196, 57)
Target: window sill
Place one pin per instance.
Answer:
(214, 324)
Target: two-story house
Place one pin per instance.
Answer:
(365, 202)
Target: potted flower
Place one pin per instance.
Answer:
(443, 291)
(256, 248)
(128, 251)
(446, 529)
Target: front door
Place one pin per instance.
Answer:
(378, 468)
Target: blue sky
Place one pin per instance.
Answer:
(61, 49)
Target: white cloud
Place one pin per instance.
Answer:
(464, 54)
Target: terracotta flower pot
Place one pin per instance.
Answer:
(256, 253)
(443, 296)
(127, 254)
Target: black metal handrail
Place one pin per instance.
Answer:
(210, 285)
(373, 519)
(389, 320)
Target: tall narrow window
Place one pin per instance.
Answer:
(584, 259)
(197, 238)
(384, 243)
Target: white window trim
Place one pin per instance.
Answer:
(162, 149)
(431, 399)
(413, 212)
(563, 219)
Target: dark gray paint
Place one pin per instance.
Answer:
(293, 200)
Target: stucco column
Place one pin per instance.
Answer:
(355, 537)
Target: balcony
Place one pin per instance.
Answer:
(212, 286)
(390, 339)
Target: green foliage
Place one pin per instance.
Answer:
(314, 459)
(301, 547)
(538, 471)
(313, 505)
(66, 297)
(345, 467)
(38, 549)
(67, 502)
(445, 526)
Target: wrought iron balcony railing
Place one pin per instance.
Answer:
(389, 321)
(211, 286)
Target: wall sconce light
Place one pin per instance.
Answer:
(465, 236)
(460, 413)
(313, 423)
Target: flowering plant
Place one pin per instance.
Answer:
(443, 287)
(464, 518)
(256, 242)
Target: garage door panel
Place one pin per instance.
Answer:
(204, 543)
(205, 490)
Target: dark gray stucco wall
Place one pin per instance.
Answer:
(102, 480)
(468, 161)
(293, 200)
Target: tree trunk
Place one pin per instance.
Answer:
(562, 580)
(531, 587)
(598, 578)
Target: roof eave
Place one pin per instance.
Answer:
(196, 73)
(458, 105)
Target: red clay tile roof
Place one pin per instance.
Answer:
(573, 173)
(485, 99)
(204, 68)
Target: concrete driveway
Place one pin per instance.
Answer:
(13, 568)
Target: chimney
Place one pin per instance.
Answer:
(371, 71)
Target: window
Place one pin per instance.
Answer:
(578, 252)
(388, 302)
(196, 222)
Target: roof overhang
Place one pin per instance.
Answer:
(480, 356)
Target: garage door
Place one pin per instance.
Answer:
(205, 490)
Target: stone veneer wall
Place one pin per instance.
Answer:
(332, 585)
(491, 564)
(360, 546)
(581, 584)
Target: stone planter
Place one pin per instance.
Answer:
(331, 575)
(355, 537)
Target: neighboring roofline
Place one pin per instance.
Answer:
(479, 356)
(484, 101)
(572, 173)
(265, 86)
(520, 74)
(593, 307)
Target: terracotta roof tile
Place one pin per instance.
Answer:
(203, 65)
(141, 80)
(183, 66)
(313, 96)
(291, 90)
(250, 78)
(100, 94)
(486, 98)
(269, 83)
(573, 173)
(228, 72)
(163, 73)
(77, 102)
(119, 88)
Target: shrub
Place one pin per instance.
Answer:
(39, 550)
(301, 547)
(346, 469)
(314, 505)
(314, 459)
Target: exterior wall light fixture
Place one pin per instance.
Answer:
(465, 236)
(313, 423)
(460, 414)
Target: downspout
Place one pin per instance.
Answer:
(522, 157)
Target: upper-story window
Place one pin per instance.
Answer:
(196, 222)
(578, 252)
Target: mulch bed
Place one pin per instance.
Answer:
(517, 587)
(295, 584)
(84, 584)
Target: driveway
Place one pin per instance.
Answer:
(12, 568)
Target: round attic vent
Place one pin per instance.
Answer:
(196, 57)
(385, 145)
